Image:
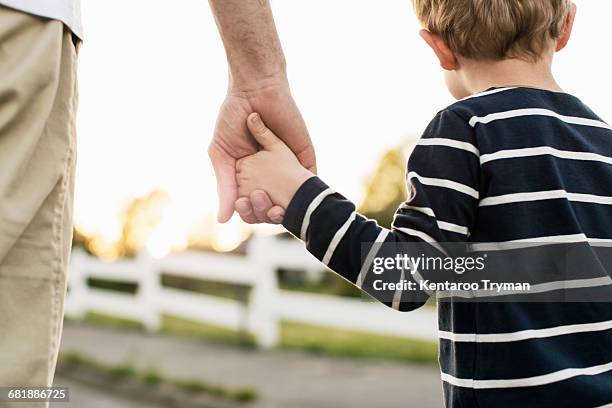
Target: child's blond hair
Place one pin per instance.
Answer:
(495, 29)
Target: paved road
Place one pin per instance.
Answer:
(282, 378)
(84, 396)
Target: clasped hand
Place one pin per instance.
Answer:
(274, 169)
(232, 141)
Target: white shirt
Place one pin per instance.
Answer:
(67, 11)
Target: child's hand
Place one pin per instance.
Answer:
(274, 169)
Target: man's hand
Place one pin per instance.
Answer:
(258, 83)
(260, 171)
(232, 140)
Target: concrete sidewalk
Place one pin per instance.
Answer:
(86, 396)
(282, 378)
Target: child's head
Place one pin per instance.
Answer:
(494, 30)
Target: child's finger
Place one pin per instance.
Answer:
(264, 136)
(245, 210)
(276, 214)
(260, 200)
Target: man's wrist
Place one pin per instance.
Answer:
(248, 85)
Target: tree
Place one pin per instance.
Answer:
(386, 187)
(140, 218)
(82, 241)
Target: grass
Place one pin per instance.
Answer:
(152, 378)
(328, 284)
(182, 327)
(114, 286)
(175, 326)
(122, 372)
(354, 344)
(238, 394)
(112, 321)
(223, 290)
(311, 339)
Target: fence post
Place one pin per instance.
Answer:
(149, 289)
(262, 316)
(76, 298)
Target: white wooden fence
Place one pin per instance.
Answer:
(266, 307)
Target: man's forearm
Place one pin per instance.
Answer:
(254, 52)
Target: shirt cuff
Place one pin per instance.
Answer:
(298, 207)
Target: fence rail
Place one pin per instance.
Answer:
(260, 315)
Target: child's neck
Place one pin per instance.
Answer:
(482, 75)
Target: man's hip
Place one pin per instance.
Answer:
(38, 99)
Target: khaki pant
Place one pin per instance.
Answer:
(38, 101)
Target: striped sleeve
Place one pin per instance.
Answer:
(444, 182)
(445, 185)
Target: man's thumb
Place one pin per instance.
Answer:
(264, 136)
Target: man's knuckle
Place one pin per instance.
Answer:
(212, 152)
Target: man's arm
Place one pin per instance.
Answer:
(254, 52)
(258, 82)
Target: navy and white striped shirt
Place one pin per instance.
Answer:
(505, 166)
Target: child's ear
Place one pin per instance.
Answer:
(447, 57)
(567, 29)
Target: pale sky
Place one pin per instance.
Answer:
(153, 74)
